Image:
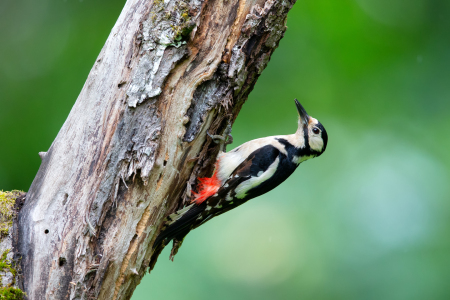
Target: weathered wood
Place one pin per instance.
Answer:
(135, 141)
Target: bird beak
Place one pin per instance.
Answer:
(304, 117)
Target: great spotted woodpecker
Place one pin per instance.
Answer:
(245, 172)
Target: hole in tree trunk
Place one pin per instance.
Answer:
(65, 198)
(62, 261)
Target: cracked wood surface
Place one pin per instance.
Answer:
(135, 141)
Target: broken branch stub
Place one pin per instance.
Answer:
(169, 71)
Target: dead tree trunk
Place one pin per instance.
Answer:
(135, 141)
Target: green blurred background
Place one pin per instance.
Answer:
(367, 220)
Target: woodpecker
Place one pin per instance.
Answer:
(246, 172)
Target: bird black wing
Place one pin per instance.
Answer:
(255, 165)
(258, 161)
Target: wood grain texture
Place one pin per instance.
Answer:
(135, 141)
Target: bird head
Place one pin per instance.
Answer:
(314, 133)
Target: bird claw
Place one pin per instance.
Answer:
(216, 138)
(223, 140)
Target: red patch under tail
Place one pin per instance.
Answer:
(206, 188)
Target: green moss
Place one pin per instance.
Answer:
(11, 293)
(182, 31)
(5, 265)
(7, 200)
(4, 262)
(7, 213)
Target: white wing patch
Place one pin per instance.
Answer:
(247, 185)
(228, 197)
(229, 161)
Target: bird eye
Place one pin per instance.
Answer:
(316, 130)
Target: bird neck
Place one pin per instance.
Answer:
(301, 135)
(295, 148)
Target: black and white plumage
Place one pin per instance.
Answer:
(246, 172)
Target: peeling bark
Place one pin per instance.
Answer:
(135, 141)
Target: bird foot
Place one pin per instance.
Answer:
(225, 139)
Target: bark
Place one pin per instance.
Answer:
(135, 141)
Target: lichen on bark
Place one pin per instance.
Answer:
(168, 26)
